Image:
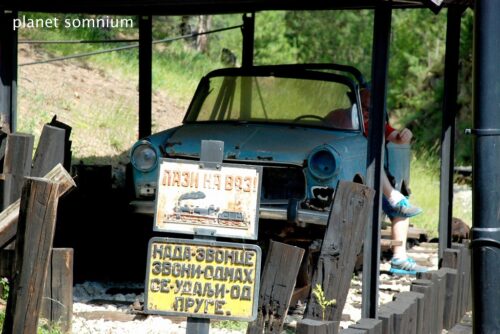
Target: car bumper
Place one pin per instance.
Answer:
(304, 216)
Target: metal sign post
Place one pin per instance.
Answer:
(202, 278)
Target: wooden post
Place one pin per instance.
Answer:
(17, 165)
(6, 262)
(450, 301)
(276, 287)
(418, 298)
(401, 314)
(461, 272)
(351, 211)
(371, 326)
(50, 150)
(352, 331)
(467, 290)
(35, 232)
(9, 217)
(387, 316)
(425, 287)
(451, 261)
(311, 326)
(57, 302)
(438, 278)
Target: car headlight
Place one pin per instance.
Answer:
(322, 162)
(144, 157)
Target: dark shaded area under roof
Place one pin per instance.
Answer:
(184, 7)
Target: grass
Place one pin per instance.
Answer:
(425, 193)
(229, 325)
(43, 326)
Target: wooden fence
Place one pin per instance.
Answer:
(40, 277)
(437, 300)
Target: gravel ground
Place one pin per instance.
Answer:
(93, 300)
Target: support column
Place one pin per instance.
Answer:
(145, 74)
(248, 31)
(8, 71)
(486, 172)
(448, 126)
(375, 160)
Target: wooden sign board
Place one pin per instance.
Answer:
(224, 199)
(203, 279)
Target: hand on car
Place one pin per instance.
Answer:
(401, 137)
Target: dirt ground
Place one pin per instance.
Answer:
(101, 105)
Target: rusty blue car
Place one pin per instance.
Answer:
(301, 123)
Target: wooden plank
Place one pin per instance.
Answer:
(400, 309)
(276, 287)
(450, 258)
(390, 243)
(419, 298)
(352, 331)
(67, 145)
(438, 297)
(371, 326)
(17, 165)
(461, 267)
(450, 302)
(18, 153)
(351, 212)
(387, 316)
(312, 326)
(50, 150)
(57, 302)
(3, 143)
(413, 233)
(425, 287)
(6, 262)
(9, 216)
(35, 233)
(467, 292)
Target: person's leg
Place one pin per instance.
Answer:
(399, 232)
(392, 195)
(400, 263)
(394, 203)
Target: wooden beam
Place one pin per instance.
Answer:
(57, 302)
(351, 212)
(427, 288)
(9, 216)
(370, 326)
(50, 150)
(35, 233)
(312, 326)
(17, 165)
(276, 287)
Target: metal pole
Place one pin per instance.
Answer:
(448, 127)
(145, 74)
(486, 171)
(375, 159)
(8, 71)
(248, 30)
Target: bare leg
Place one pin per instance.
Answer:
(400, 227)
(386, 185)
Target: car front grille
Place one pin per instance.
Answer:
(279, 184)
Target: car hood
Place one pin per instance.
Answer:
(256, 142)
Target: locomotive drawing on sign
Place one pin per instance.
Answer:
(191, 208)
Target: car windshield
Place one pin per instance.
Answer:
(270, 99)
